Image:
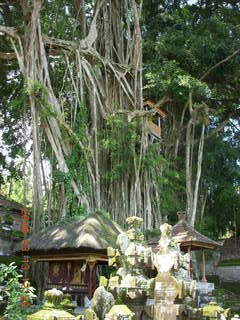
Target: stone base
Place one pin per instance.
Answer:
(168, 312)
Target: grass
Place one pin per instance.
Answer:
(8, 260)
(229, 263)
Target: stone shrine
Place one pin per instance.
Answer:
(130, 294)
(170, 295)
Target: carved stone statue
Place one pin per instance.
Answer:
(168, 255)
(130, 258)
(172, 288)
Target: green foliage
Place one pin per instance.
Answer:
(181, 44)
(113, 140)
(13, 133)
(149, 234)
(34, 88)
(103, 213)
(170, 181)
(12, 293)
(229, 263)
(77, 166)
(58, 21)
(221, 179)
(8, 259)
(173, 80)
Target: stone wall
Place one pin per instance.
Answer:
(228, 273)
(225, 273)
(230, 249)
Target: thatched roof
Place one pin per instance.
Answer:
(95, 232)
(187, 236)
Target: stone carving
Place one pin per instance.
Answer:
(173, 292)
(130, 257)
(213, 311)
(120, 312)
(102, 302)
(52, 308)
(167, 257)
(130, 294)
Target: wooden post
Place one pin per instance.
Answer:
(203, 267)
(91, 265)
(190, 269)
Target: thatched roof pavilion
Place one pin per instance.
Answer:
(94, 234)
(75, 254)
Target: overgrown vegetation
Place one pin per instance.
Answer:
(73, 77)
(12, 291)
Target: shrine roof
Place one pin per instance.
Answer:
(187, 236)
(95, 232)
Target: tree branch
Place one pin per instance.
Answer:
(10, 31)
(7, 55)
(219, 63)
(56, 43)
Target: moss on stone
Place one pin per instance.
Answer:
(89, 314)
(67, 304)
(119, 310)
(52, 308)
(51, 314)
(213, 310)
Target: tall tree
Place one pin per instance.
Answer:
(99, 62)
(191, 56)
(79, 68)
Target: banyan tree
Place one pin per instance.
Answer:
(84, 98)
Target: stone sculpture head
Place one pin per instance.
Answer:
(166, 230)
(134, 222)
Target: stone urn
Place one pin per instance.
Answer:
(52, 309)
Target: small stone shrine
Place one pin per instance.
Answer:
(170, 295)
(130, 294)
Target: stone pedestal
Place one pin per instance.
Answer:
(169, 312)
(205, 290)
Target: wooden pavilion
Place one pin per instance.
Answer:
(75, 253)
(154, 124)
